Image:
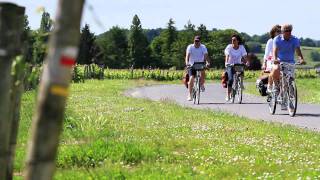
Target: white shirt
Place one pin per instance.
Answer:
(268, 54)
(235, 55)
(196, 54)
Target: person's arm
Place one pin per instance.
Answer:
(187, 56)
(275, 55)
(299, 54)
(267, 52)
(206, 57)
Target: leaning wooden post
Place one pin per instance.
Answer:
(9, 46)
(48, 120)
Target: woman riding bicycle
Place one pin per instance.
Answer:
(196, 52)
(235, 54)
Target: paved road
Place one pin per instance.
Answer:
(254, 107)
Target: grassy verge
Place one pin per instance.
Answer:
(107, 135)
(308, 90)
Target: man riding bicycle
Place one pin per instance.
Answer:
(196, 52)
(284, 47)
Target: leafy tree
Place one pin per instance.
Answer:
(46, 23)
(189, 26)
(27, 41)
(114, 45)
(315, 55)
(138, 45)
(203, 32)
(254, 47)
(41, 38)
(86, 47)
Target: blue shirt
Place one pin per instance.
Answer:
(286, 48)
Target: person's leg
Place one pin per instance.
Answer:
(191, 82)
(274, 76)
(230, 81)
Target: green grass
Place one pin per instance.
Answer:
(308, 90)
(110, 136)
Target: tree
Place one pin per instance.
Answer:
(189, 26)
(114, 44)
(138, 45)
(254, 47)
(46, 23)
(315, 55)
(28, 40)
(203, 32)
(41, 38)
(86, 47)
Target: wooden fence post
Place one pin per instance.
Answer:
(10, 19)
(48, 120)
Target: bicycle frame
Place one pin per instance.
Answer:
(288, 92)
(198, 67)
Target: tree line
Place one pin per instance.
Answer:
(137, 47)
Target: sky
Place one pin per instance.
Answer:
(249, 16)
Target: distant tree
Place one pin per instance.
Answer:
(307, 42)
(28, 40)
(264, 38)
(315, 55)
(86, 46)
(138, 45)
(41, 38)
(46, 23)
(114, 45)
(203, 32)
(254, 47)
(189, 26)
(152, 33)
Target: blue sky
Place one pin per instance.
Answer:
(250, 16)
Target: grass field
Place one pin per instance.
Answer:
(110, 136)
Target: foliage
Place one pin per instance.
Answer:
(139, 54)
(254, 47)
(41, 38)
(114, 46)
(315, 55)
(86, 47)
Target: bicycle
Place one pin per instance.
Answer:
(286, 92)
(237, 86)
(198, 67)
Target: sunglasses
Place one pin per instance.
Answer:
(287, 31)
(196, 41)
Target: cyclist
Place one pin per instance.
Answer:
(235, 54)
(196, 52)
(284, 47)
(267, 59)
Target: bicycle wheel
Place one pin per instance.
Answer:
(234, 88)
(292, 99)
(198, 92)
(239, 90)
(195, 92)
(272, 101)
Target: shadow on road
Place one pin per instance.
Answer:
(308, 115)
